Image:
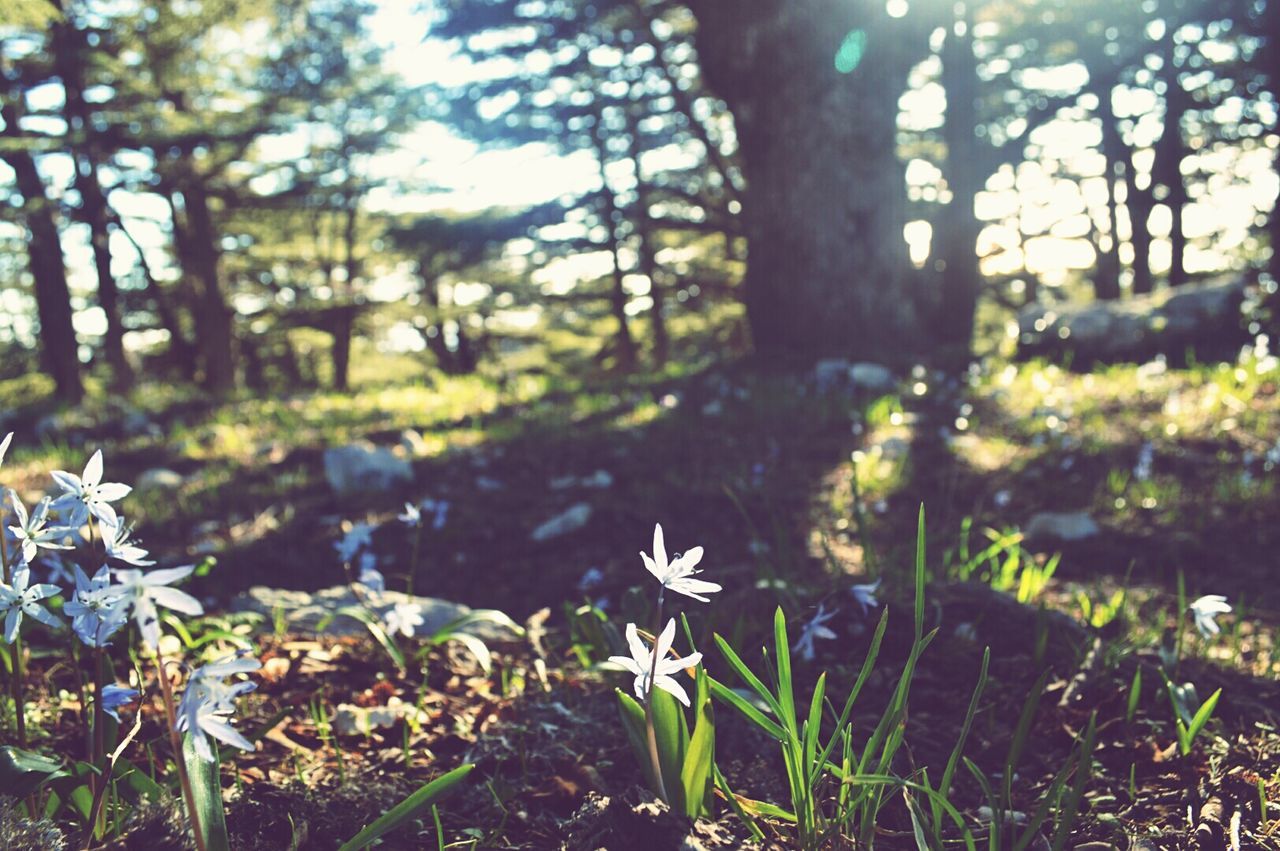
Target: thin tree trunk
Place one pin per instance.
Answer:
(214, 328)
(69, 51)
(1106, 279)
(59, 350)
(961, 275)
(1171, 150)
(623, 341)
(647, 262)
(346, 318)
(1139, 203)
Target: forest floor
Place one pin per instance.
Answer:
(797, 489)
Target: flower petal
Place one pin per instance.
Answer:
(168, 576)
(179, 601)
(672, 687)
(638, 651)
(93, 470)
(659, 546)
(113, 491)
(665, 640)
(69, 482)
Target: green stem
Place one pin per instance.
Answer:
(648, 710)
(413, 559)
(99, 733)
(15, 682)
(166, 691)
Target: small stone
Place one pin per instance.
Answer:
(362, 467)
(1064, 526)
(158, 479)
(570, 520)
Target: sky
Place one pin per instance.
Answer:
(1041, 193)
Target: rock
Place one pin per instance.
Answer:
(599, 480)
(570, 520)
(1204, 317)
(362, 467)
(872, 376)
(158, 479)
(1064, 526)
(304, 611)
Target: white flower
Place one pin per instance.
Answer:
(115, 538)
(98, 609)
(87, 494)
(32, 531)
(370, 576)
(4, 446)
(815, 629)
(1205, 610)
(678, 574)
(865, 595)
(412, 516)
(208, 703)
(641, 663)
(23, 598)
(403, 618)
(147, 590)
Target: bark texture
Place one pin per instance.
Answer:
(824, 205)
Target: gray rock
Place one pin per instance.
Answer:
(1204, 316)
(872, 376)
(570, 520)
(304, 612)
(1062, 525)
(361, 467)
(158, 479)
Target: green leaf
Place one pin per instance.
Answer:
(476, 648)
(377, 631)
(409, 808)
(637, 734)
(206, 788)
(23, 772)
(672, 733)
(740, 703)
(695, 774)
(1202, 717)
(786, 695)
(740, 668)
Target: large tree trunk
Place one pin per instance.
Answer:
(1139, 203)
(59, 354)
(1171, 150)
(959, 225)
(69, 48)
(828, 271)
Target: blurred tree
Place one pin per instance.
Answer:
(59, 350)
(813, 88)
(615, 79)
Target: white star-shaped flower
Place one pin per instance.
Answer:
(87, 494)
(23, 598)
(678, 574)
(33, 531)
(147, 590)
(641, 663)
(1205, 610)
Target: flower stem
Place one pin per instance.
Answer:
(648, 711)
(15, 682)
(413, 559)
(188, 796)
(99, 732)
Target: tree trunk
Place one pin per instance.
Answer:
(824, 207)
(1171, 150)
(960, 227)
(624, 343)
(1106, 278)
(59, 355)
(346, 318)
(1139, 203)
(214, 329)
(69, 48)
(647, 262)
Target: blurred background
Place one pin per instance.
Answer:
(269, 194)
